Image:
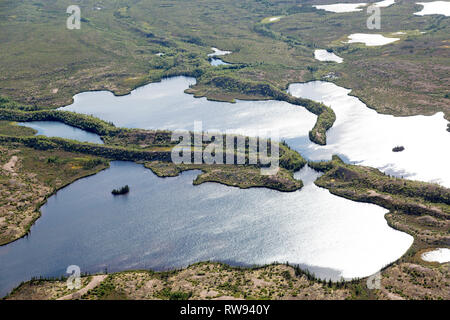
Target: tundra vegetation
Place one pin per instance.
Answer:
(28, 176)
(43, 65)
(418, 208)
(212, 280)
(35, 167)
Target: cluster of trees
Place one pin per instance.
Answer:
(326, 115)
(369, 178)
(299, 272)
(289, 159)
(109, 152)
(398, 149)
(6, 103)
(168, 294)
(123, 190)
(322, 166)
(85, 122)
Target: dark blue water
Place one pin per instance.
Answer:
(166, 223)
(169, 223)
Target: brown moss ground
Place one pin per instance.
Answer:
(45, 64)
(206, 280)
(201, 281)
(28, 177)
(408, 278)
(420, 209)
(45, 289)
(417, 281)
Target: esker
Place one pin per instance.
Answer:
(236, 151)
(192, 310)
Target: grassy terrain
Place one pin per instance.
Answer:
(12, 129)
(417, 208)
(44, 64)
(54, 288)
(407, 77)
(370, 185)
(33, 168)
(420, 209)
(236, 176)
(28, 177)
(202, 281)
(210, 281)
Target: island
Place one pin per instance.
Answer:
(121, 191)
(398, 149)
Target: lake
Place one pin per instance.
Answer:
(341, 7)
(166, 223)
(363, 136)
(218, 62)
(360, 135)
(62, 130)
(370, 40)
(441, 255)
(164, 105)
(434, 7)
(353, 7)
(324, 55)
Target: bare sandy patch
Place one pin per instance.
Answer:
(96, 280)
(11, 164)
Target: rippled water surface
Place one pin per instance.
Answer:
(366, 137)
(168, 223)
(360, 134)
(58, 129)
